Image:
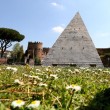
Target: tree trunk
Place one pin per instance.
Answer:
(2, 53)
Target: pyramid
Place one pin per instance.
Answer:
(73, 47)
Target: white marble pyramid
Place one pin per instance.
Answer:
(73, 47)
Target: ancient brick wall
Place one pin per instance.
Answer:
(34, 49)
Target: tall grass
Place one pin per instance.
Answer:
(49, 86)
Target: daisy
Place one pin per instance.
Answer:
(8, 68)
(34, 104)
(74, 87)
(42, 84)
(38, 70)
(17, 103)
(14, 69)
(17, 81)
(54, 76)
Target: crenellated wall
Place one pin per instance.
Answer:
(34, 50)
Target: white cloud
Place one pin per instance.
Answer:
(107, 34)
(54, 4)
(58, 29)
(57, 5)
(102, 34)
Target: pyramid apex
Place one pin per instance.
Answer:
(77, 14)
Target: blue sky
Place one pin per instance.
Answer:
(44, 20)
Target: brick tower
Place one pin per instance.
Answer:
(34, 50)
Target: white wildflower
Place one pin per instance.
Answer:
(30, 76)
(25, 74)
(54, 76)
(77, 71)
(13, 69)
(32, 72)
(82, 68)
(58, 70)
(36, 77)
(49, 66)
(47, 69)
(8, 68)
(87, 70)
(34, 104)
(35, 82)
(69, 70)
(38, 70)
(38, 74)
(101, 80)
(42, 84)
(17, 81)
(100, 69)
(74, 87)
(106, 80)
(69, 87)
(17, 103)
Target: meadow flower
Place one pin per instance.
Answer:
(17, 103)
(34, 104)
(58, 70)
(35, 82)
(32, 72)
(42, 84)
(8, 68)
(49, 66)
(38, 70)
(100, 70)
(69, 70)
(106, 71)
(82, 68)
(36, 77)
(30, 76)
(69, 87)
(106, 80)
(38, 74)
(74, 87)
(25, 75)
(17, 81)
(54, 76)
(13, 69)
(47, 69)
(77, 71)
(87, 70)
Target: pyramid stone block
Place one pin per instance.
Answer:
(73, 47)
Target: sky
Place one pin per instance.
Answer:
(44, 20)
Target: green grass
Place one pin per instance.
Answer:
(94, 83)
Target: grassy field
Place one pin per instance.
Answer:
(54, 88)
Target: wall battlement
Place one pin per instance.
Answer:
(35, 50)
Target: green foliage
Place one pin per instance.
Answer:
(37, 61)
(16, 48)
(20, 54)
(7, 36)
(101, 101)
(2, 107)
(10, 35)
(49, 86)
(17, 53)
